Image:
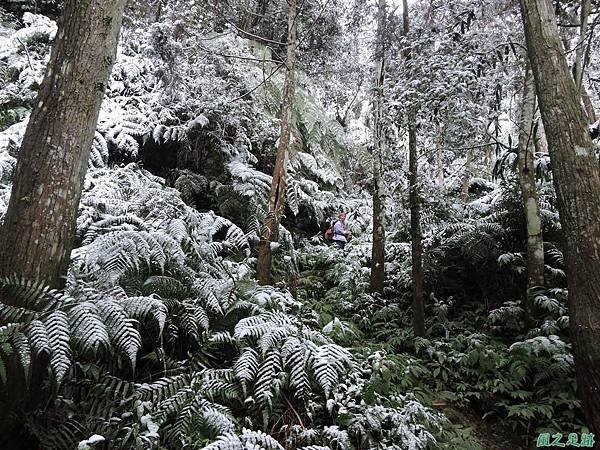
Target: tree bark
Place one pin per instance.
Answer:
(580, 61)
(533, 222)
(276, 200)
(378, 248)
(576, 175)
(38, 231)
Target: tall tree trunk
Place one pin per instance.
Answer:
(439, 156)
(276, 200)
(589, 106)
(580, 61)
(489, 150)
(415, 229)
(378, 249)
(576, 176)
(38, 231)
(466, 178)
(580, 49)
(540, 141)
(418, 303)
(533, 222)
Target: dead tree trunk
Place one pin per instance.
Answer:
(276, 200)
(378, 249)
(577, 181)
(37, 235)
(533, 222)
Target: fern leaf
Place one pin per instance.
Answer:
(266, 384)
(88, 331)
(121, 330)
(329, 364)
(38, 337)
(57, 324)
(246, 366)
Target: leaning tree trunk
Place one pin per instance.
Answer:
(577, 181)
(533, 222)
(378, 249)
(276, 200)
(38, 231)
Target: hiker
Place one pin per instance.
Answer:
(340, 233)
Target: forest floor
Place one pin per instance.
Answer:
(493, 435)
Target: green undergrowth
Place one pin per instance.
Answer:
(476, 361)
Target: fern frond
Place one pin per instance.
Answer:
(57, 325)
(88, 332)
(330, 363)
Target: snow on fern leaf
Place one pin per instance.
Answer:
(330, 363)
(88, 331)
(122, 330)
(246, 366)
(57, 324)
(266, 384)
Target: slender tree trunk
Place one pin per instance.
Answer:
(489, 150)
(576, 175)
(487, 159)
(415, 229)
(579, 50)
(439, 156)
(533, 222)
(580, 61)
(276, 200)
(418, 303)
(38, 231)
(540, 141)
(378, 249)
(466, 178)
(589, 106)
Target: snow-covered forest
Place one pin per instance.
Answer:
(299, 224)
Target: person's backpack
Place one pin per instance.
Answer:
(329, 232)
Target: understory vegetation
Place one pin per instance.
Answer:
(163, 338)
